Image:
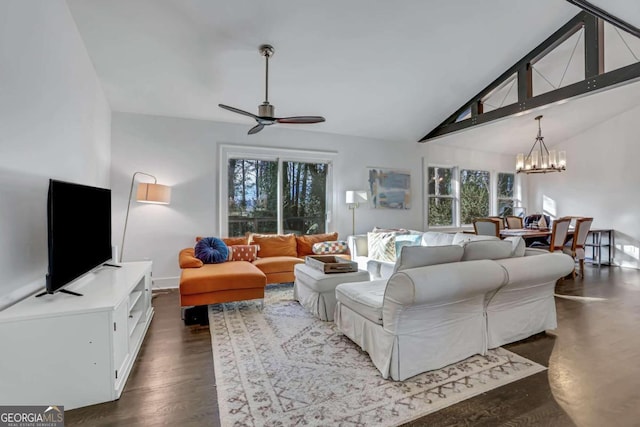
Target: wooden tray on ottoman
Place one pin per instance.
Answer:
(330, 264)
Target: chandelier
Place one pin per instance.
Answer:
(540, 159)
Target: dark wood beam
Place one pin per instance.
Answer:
(562, 34)
(594, 84)
(603, 14)
(593, 46)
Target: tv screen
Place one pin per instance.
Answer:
(79, 231)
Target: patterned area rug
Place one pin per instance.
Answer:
(283, 367)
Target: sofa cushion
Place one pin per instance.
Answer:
(187, 259)
(460, 238)
(211, 250)
(221, 277)
(518, 245)
(275, 244)
(436, 238)
(422, 256)
(232, 241)
(277, 264)
(486, 249)
(365, 298)
(305, 243)
(332, 247)
(403, 240)
(382, 246)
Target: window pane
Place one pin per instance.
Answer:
(440, 180)
(253, 199)
(505, 207)
(440, 211)
(304, 197)
(474, 195)
(505, 185)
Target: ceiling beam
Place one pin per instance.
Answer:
(595, 78)
(603, 14)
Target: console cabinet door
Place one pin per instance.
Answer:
(120, 341)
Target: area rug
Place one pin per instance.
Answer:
(280, 366)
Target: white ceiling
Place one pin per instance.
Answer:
(373, 68)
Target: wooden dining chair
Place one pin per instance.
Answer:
(559, 233)
(576, 246)
(514, 221)
(487, 226)
(500, 219)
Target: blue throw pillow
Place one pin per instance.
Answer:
(211, 250)
(407, 240)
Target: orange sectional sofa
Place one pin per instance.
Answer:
(203, 284)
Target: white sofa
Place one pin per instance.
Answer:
(444, 304)
(359, 249)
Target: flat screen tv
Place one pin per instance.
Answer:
(79, 231)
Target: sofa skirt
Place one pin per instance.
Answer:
(408, 354)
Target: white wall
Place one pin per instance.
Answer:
(183, 153)
(601, 181)
(55, 123)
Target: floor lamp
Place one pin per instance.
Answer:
(147, 193)
(353, 198)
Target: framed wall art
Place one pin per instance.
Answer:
(389, 188)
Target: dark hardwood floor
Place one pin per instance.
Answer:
(593, 377)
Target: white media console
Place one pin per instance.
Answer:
(71, 350)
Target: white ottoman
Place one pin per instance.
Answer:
(316, 291)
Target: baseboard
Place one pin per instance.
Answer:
(165, 282)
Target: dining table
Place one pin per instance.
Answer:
(530, 235)
(526, 232)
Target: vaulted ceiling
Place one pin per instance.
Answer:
(390, 70)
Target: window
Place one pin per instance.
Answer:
(305, 199)
(270, 194)
(253, 196)
(506, 182)
(441, 200)
(456, 196)
(474, 195)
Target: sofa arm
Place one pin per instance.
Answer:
(358, 246)
(187, 259)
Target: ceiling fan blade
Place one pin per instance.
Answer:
(257, 128)
(236, 110)
(300, 119)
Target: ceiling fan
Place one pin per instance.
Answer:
(265, 115)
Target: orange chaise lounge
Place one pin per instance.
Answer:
(203, 284)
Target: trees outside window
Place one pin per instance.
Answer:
(441, 199)
(506, 184)
(456, 196)
(474, 195)
(253, 196)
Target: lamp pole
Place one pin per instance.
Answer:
(126, 218)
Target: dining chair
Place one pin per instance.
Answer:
(514, 221)
(559, 232)
(487, 226)
(500, 219)
(576, 247)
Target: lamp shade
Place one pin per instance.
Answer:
(350, 196)
(153, 193)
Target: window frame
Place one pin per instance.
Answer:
(279, 155)
(453, 196)
(513, 198)
(490, 189)
(456, 196)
